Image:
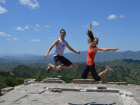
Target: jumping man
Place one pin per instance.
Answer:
(60, 44)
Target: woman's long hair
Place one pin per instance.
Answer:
(90, 35)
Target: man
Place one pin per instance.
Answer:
(60, 44)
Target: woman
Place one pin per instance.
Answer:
(90, 58)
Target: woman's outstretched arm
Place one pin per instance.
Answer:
(107, 49)
(90, 27)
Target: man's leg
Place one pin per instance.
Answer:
(64, 66)
(66, 62)
(58, 68)
(58, 60)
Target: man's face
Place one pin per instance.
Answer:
(62, 34)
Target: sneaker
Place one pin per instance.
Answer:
(109, 69)
(49, 67)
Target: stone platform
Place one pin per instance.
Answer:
(86, 81)
(72, 94)
(52, 80)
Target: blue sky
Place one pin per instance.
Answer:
(31, 26)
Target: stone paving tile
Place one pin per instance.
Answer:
(69, 98)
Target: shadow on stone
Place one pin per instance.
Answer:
(92, 103)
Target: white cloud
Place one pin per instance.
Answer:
(122, 16)
(15, 38)
(32, 4)
(97, 33)
(37, 25)
(46, 26)
(131, 13)
(2, 34)
(2, 1)
(95, 23)
(37, 29)
(26, 27)
(86, 26)
(51, 38)
(19, 28)
(2, 10)
(35, 40)
(112, 17)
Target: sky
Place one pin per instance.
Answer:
(31, 26)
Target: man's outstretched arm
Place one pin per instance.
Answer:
(71, 49)
(54, 43)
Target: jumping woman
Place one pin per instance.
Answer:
(91, 52)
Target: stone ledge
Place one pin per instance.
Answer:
(7, 89)
(101, 87)
(29, 81)
(86, 81)
(118, 83)
(55, 90)
(102, 90)
(85, 90)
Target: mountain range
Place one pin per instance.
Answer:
(100, 57)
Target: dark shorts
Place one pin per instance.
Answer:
(61, 59)
(93, 72)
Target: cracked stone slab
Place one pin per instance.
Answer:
(38, 91)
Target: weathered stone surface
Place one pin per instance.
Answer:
(55, 90)
(29, 81)
(121, 83)
(52, 80)
(118, 83)
(86, 81)
(101, 87)
(102, 90)
(70, 89)
(128, 95)
(7, 89)
(1, 101)
(38, 91)
(111, 83)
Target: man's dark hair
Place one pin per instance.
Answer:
(62, 30)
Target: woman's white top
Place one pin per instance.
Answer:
(60, 47)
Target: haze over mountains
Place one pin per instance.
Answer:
(100, 57)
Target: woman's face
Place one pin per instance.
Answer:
(95, 42)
